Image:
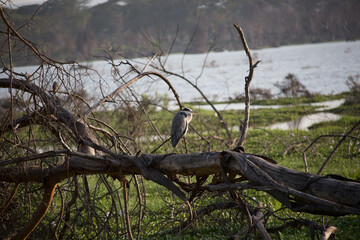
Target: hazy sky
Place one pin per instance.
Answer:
(28, 2)
(24, 2)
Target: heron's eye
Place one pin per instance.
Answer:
(184, 114)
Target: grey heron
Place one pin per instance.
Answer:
(180, 125)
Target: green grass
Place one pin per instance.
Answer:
(286, 147)
(274, 144)
(282, 100)
(300, 100)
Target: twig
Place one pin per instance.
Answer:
(149, 62)
(123, 148)
(74, 197)
(258, 220)
(27, 43)
(127, 84)
(141, 205)
(207, 210)
(171, 46)
(34, 157)
(221, 119)
(40, 212)
(204, 62)
(247, 86)
(127, 216)
(154, 151)
(162, 68)
(111, 193)
(31, 18)
(188, 45)
(61, 213)
(337, 146)
(314, 141)
(10, 198)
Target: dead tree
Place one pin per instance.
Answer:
(48, 141)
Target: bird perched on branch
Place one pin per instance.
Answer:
(180, 125)
(55, 87)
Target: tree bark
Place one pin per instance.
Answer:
(258, 220)
(301, 192)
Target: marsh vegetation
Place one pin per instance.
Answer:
(78, 166)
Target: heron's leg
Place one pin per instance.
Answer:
(186, 150)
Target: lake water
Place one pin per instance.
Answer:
(306, 121)
(321, 67)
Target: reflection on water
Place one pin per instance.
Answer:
(305, 122)
(328, 104)
(302, 123)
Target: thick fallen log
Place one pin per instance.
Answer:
(299, 191)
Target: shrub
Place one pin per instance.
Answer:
(292, 87)
(353, 83)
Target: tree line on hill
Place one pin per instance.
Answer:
(71, 30)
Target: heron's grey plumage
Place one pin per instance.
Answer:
(180, 125)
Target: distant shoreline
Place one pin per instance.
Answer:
(321, 67)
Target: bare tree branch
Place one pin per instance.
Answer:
(248, 80)
(40, 212)
(51, 138)
(337, 146)
(258, 220)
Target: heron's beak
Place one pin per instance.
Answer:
(194, 112)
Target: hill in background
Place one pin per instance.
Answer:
(69, 30)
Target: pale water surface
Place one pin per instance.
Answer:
(321, 67)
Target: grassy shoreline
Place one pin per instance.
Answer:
(281, 100)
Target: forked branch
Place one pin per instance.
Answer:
(247, 87)
(127, 84)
